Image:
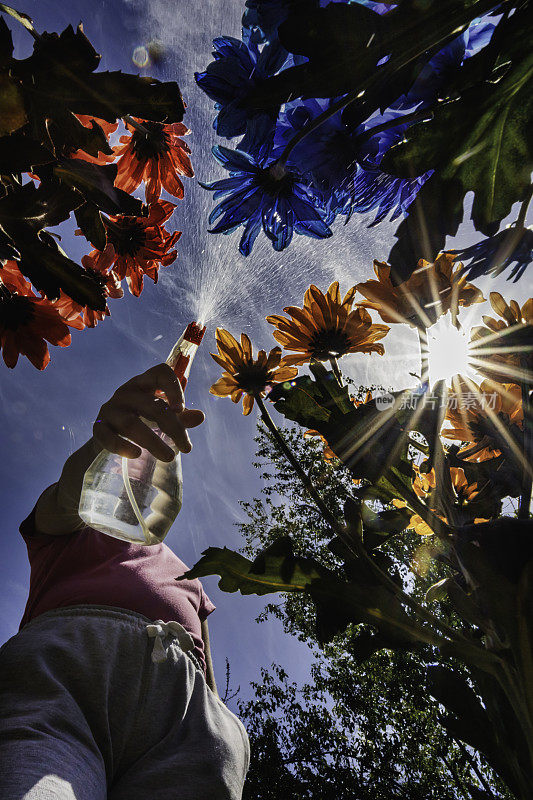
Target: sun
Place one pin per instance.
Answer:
(448, 352)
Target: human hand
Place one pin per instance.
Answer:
(122, 416)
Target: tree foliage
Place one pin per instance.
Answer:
(366, 725)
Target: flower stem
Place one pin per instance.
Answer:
(336, 370)
(527, 411)
(295, 464)
(137, 125)
(455, 638)
(524, 207)
(424, 355)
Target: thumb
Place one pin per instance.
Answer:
(192, 417)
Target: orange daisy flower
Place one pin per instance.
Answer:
(431, 291)
(12, 277)
(25, 323)
(157, 157)
(105, 156)
(503, 348)
(471, 413)
(89, 317)
(245, 375)
(326, 327)
(424, 484)
(136, 246)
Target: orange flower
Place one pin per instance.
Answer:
(242, 373)
(423, 486)
(12, 277)
(504, 348)
(431, 291)
(326, 327)
(25, 323)
(136, 246)
(71, 311)
(157, 157)
(472, 411)
(104, 156)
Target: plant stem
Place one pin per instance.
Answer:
(521, 218)
(424, 355)
(336, 370)
(302, 474)
(137, 125)
(527, 411)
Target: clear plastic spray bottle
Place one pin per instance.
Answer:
(138, 499)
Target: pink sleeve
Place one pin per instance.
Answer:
(206, 606)
(34, 538)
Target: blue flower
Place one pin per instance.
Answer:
(436, 73)
(263, 193)
(512, 247)
(344, 172)
(236, 70)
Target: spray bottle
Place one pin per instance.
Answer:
(138, 499)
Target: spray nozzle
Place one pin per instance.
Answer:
(194, 333)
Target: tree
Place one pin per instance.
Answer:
(363, 728)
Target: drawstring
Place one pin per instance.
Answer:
(159, 630)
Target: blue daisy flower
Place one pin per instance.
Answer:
(344, 173)
(236, 70)
(263, 194)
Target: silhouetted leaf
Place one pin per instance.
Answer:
(49, 269)
(90, 221)
(270, 572)
(96, 183)
(109, 95)
(6, 44)
(19, 153)
(12, 110)
(46, 205)
(20, 16)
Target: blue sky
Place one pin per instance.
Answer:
(46, 415)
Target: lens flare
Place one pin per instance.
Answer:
(140, 57)
(448, 352)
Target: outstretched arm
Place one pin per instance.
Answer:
(56, 511)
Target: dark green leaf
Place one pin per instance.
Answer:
(272, 573)
(339, 602)
(110, 95)
(24, 19)
(47, 205)
(19, 153)
(69, 135)
(50, 270)
(436, 212)
(90, 221)
(7, 246)
(6, 44)
(490, 153)
(301, 401)
(96, 183)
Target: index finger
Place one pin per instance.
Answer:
(162, 378)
